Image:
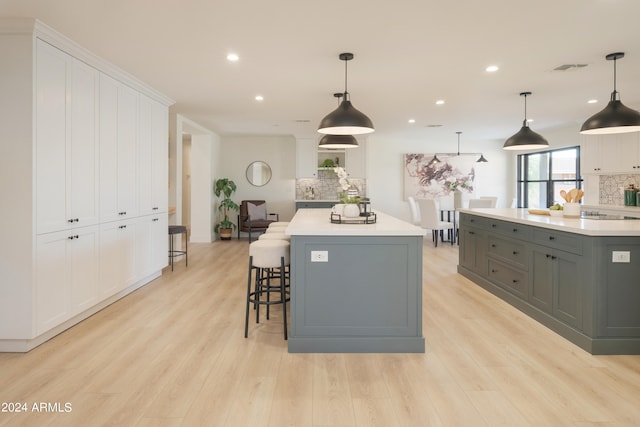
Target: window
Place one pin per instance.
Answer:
(542, 175)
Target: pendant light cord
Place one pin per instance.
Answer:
(458, 142)
(524, 122)
(345, 80)
(614, 94)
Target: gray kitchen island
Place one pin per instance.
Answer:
(355, 288)
(579, 277)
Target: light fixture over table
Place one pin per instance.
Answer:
(346, 120)
(338, 141)
(616, 117)
(525, 139)
(435, 158)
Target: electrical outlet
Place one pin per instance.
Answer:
(319, 256)
(620, 256)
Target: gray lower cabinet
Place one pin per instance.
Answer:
(567, 281)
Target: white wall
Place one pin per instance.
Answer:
(385, 170)
(279, 152)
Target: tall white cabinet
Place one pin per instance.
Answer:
(83, 183)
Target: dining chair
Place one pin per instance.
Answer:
(480, 203)
(415, 211)
(430, 220)
(494, 200)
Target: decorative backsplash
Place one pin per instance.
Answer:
(326, 186)
(609, 188)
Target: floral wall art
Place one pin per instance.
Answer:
(423, 179)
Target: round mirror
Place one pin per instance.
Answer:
(258, 173)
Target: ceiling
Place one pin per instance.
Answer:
(408, 55)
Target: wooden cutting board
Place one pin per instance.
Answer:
(538, 212)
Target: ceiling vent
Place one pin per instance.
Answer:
(567, 67)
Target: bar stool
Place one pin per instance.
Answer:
(276, 229)
(274, 236)
(268, 258)
(173, 230)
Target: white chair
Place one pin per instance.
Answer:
(430, 220)
(480, 203)
(415, 211)
(494, 200)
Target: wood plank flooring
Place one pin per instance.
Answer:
(173, 354)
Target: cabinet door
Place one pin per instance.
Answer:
(568, 283)
(127, 151)
(473, 250)
(52, 73)
(355, 162)
(151, 244)
(306, 158)
(626, 156)
(52, 303)
(154, 155)
(84, 254)
(541, 277)
(83, 188)
(108, 148)
(117, 256)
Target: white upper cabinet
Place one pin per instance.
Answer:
(118, 150)
(154, 153)
(306, 158)
(356, 161)
(66, 141)
(610, 154)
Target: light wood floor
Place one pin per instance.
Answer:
(173, 354)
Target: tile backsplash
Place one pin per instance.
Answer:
(609, 191)
(326, 186)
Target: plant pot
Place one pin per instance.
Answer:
(351, 210)
(225, 233)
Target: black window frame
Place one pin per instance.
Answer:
(523, 181)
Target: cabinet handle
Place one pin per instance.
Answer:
(553, 257)
(493, 245)
(515, 281)
(515, 230)
(493, 270)
(472, 232)
(155, 219)
(493, 225)
(155, 208)
(552, 238)
(70, 220)
(122, 226)
(515, 252)
(70, 237)
(548, 256)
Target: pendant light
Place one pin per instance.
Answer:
(434, 160)
(338, 141)
(482, 159)
(615, 118)
(525, 139)
(345, 120)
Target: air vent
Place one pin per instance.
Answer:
(567, 67)
(433, 126)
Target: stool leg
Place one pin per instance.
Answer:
(246, 319)
(171, 250)
(186, 249)
(283, 295)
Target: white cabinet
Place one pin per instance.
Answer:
(71, 160)
(355, 163)
(66, 275)
(151, 244)
(67, 150)
(154, 154)
(306, 158)
(118, 150)
(610, 154)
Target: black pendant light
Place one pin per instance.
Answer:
(345, 120)
(338, 141)
(525, 139)
(482, 159)
(615, 118)
(434, 160)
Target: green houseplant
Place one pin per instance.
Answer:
(224, 187)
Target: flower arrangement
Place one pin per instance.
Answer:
(347, 187)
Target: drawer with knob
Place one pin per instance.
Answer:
(514, 252)
(511, 279)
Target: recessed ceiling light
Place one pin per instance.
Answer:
(259, 98)
(412, 120)
(232, 57)
(491, 69)
(440, 102)
(592, 101)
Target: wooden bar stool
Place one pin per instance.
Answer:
(268, 260)
(173, 230)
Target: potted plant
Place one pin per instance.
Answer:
(224, 187)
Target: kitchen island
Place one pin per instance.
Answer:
(579, 277)
(355, 288)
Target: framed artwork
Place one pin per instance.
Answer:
(423, 179)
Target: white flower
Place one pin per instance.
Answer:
(342, 178)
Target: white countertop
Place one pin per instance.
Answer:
(316, 222)
(587, 227)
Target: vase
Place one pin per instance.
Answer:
(457, 199)
(351, 210)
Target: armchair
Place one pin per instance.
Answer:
(253, 217)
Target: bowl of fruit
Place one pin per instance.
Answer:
(555, 210)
